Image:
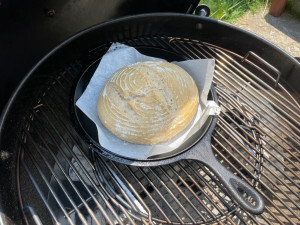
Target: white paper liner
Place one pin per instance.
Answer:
(120, 55)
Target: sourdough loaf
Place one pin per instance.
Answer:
(148, 102)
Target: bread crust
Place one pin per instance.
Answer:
(148, 102)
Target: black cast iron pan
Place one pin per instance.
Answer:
(197, 147)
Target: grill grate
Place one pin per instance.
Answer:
(256, 137)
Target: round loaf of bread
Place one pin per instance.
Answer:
(148, 102)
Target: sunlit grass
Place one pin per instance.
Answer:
(230, 10)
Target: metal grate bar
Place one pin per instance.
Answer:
(60, 119)
(240, 127)
(271, 122)
(147, 193)
(280, 200)
(148, 179)
(255, 93)
(237, 66)
(70, 134)
(173, 196)
(252, 102)
(241, 174)
(116, 181)
(84, 202)
(286, 150)
(105, 165)
(220, 194)
(181, 192)
(242, 218)
(29, 210)
(271, 202)
(236, 135)
(133, 190)
(39, 190)
(283, 192)
(257, 107)
(230, 220)
(159, 193)
(227, 98)
(55, 176)
(238, 78)
(251, 164)
(293, 104)
(219, 142)
(75, 170)
(128, 214)
(256, 126)
(253, 219)
(202, 190)
(268, 160)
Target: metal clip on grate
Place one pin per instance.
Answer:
(256, 137)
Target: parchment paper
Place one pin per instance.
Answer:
(120, 55)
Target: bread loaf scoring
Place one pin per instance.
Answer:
(148, 102)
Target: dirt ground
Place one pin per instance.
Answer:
(283, 31)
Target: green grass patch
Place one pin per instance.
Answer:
(231, 10)
(292, 9)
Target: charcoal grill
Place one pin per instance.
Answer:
(59, 179)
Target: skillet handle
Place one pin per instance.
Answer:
(235, 186)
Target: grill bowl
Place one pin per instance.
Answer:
(68, 60)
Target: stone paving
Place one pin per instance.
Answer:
(283, 31)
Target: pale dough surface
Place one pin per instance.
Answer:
(148, 102)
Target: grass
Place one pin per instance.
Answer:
(292, 9)
(231, 10)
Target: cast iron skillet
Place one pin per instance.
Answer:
(197, 147)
